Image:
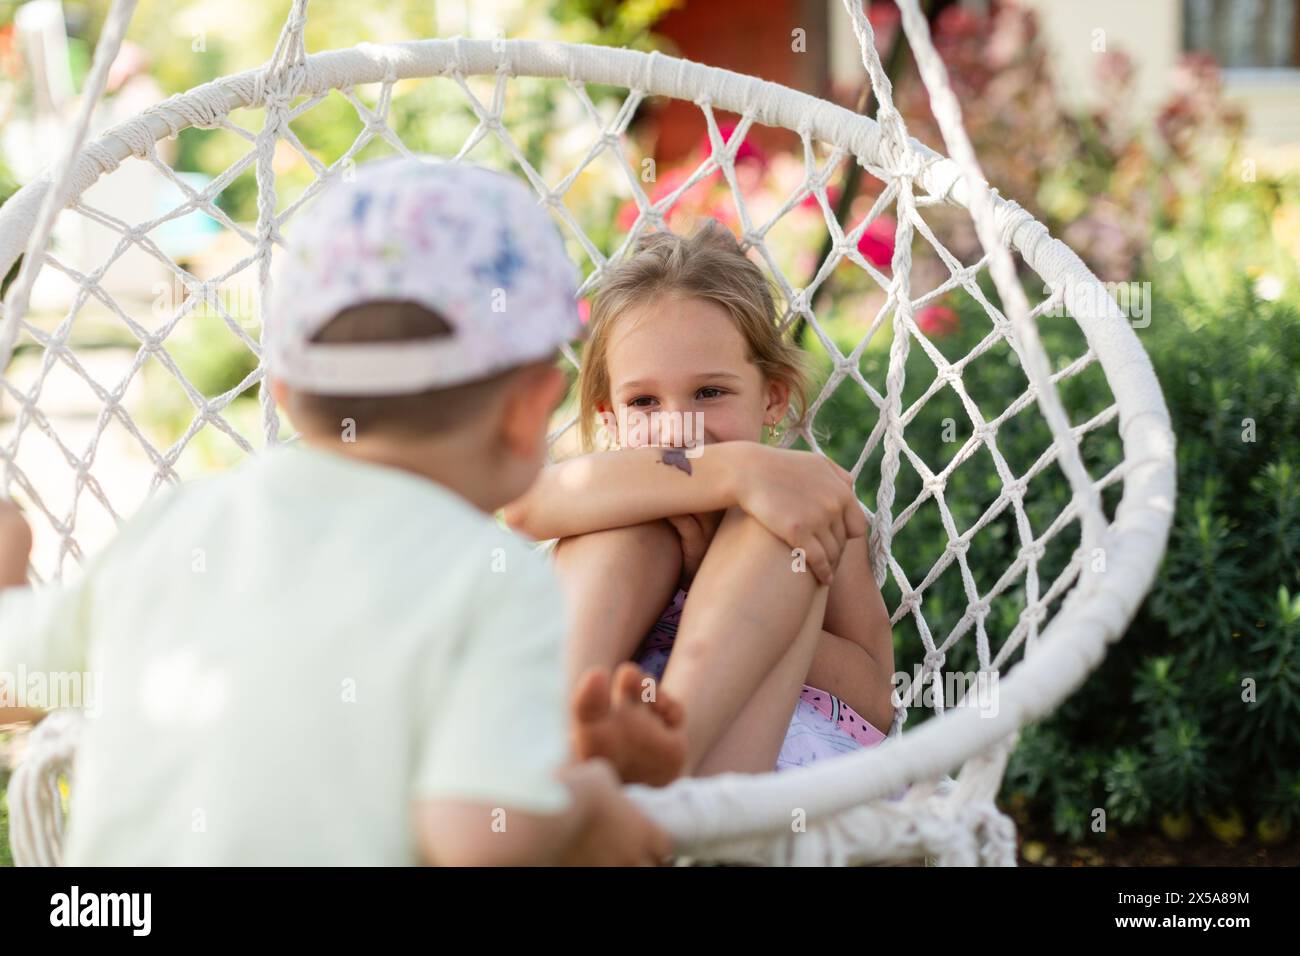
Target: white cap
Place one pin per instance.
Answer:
(467, 243)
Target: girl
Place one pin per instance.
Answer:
(688, 549)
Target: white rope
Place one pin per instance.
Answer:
(278, 87)
(897, 155)
(947, 112)
(36, 820)
(933, 828)
(19, 294)
(844, 797)
(904, 164)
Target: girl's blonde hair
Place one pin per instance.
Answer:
(708, 265)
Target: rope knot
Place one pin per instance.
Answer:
(1034, 549)
(1010, 216)
(993, 832)
(907, 164)
(896, 151)
(278, 100)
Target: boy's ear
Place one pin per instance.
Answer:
(279, 391)
(528, 406)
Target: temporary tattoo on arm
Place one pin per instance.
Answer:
(676, 456)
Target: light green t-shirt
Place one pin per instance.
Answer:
(286, 655)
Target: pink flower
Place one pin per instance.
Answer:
(667, 183)
(882, 13)
(626, 216)
(877, 242)
(959, 23)
(936, 321)
(832, 197)
(747, 153)
(584, 311)
(884, 17)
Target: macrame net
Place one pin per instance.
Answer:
(1042, 514)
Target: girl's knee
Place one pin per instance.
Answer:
(641, 540)
(745, 527)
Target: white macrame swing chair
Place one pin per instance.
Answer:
(846, 810)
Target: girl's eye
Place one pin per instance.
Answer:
(710, 392)
(640, 401)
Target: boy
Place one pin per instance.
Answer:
(332, 654)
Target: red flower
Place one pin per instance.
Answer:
(626, 216)
(884, 18)
(747, 153)
(832, 197)
(936, 321)
(959, 21)
(667, 183)
(877, 242)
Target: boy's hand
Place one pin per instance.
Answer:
(803, 498)
(616, 833)
(15, 545)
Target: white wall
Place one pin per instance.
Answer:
(1151, 32)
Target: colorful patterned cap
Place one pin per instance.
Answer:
(467, 243)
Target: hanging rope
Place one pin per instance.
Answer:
(56, 196)
(277, 86)
(947, 112)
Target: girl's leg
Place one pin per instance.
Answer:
(616, 583)
(746, 640)
(752, 742)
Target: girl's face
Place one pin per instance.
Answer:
(684, 359)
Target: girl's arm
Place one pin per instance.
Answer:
(616, 489)
(854, 659)
(802, 497)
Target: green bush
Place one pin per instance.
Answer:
(1166, 728)
(1168, 725)
(6, 857)
(1194, 712)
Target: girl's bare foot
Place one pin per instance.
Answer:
(629, 722)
